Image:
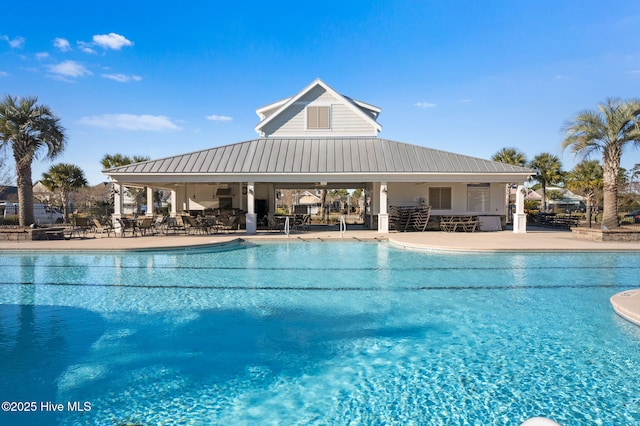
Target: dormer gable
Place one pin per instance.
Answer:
(318, 111)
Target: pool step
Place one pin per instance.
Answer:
(627, 305)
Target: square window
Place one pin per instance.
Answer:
(318, 117)
(440, 198)
(478, 197)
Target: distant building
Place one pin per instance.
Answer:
(568, 203)
(9, 193)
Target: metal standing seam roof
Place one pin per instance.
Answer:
(321, 156)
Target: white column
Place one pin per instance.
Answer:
(118, 200)
(383, 216)
(252, 221)
(174, 200)
(149, 202)
(520, 218)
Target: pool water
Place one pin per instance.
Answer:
(317, 333)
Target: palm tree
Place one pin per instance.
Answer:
(28, 129)
(609, 129)
(513, 157)
(549, 172)
(65, 178)
(633, 178)
(510, 156)
(116, 160)
(586, 179)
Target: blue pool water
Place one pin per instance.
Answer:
(317, 333)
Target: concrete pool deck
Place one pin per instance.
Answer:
(536, 239)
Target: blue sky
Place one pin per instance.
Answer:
(164, 78)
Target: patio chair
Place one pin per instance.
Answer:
(145, 225)
(191, 223)
(159, 224)
(302, 222)
(175, 224)
(127, 225)
(81, 226)
(231, 224)
(274, 224)
(99, 227)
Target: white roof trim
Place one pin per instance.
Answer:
(286, 103)
(273, 106)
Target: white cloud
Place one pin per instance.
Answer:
(122, 78)
(633, 72)
(219, 118)
(465, 101)
(86, 47)
(425, 105)
(15, 43)
(69, 69)
(111, 41)
(61, 44)
(42, 55)
(142, 122)
(4, 74)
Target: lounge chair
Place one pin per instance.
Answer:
(302, 222)
(159, 224)
(81, 226)
(274, 224)
(127, 225)
(175, 224)
(99, 227)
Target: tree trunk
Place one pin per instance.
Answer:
(65, 205)
(25, 195)
(610, 188)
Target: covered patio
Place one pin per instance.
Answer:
(319, 139)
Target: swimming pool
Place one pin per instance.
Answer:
(317, 333)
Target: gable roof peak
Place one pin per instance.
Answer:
(367, 111)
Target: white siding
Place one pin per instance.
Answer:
(343, 122)
(410, 194)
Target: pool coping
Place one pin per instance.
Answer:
(627, 305)
(507, 241)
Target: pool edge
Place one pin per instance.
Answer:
(627, 305)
